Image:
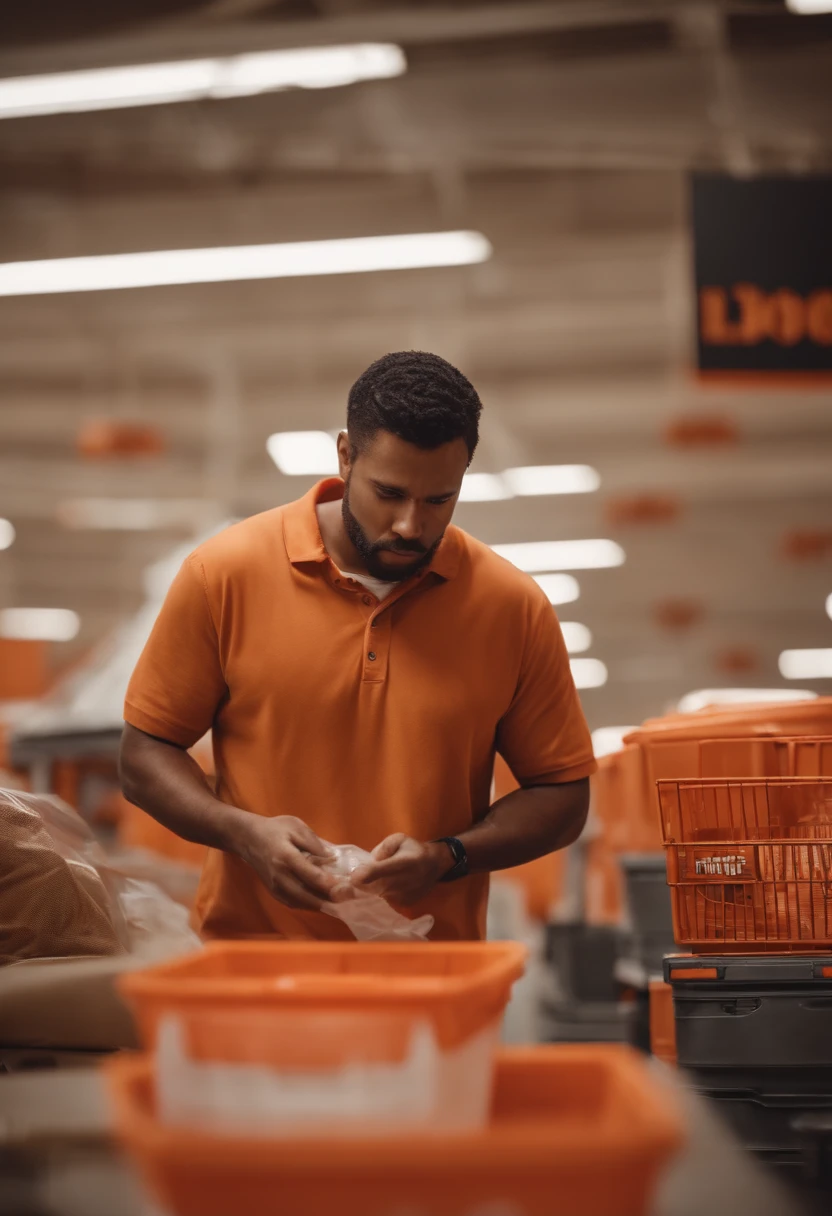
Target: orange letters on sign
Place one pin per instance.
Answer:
(782, 316)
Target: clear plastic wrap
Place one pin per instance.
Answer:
(368, 917)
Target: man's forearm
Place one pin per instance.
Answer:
(526, 824)
(168, 783)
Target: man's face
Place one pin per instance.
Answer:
(398, 501)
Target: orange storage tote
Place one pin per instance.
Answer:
(460, 987)
(755, 756)
(670, 745)
(574, 1131)
(749, 863)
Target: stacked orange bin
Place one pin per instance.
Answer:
(569, 1128)
(748, 841)
(752, 741)
(561, 1130)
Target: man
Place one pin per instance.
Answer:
(359, 660)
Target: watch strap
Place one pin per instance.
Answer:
(459, 869)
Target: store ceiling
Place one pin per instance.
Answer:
(564, 133)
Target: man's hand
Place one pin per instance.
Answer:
(403, 870)
(287, 856)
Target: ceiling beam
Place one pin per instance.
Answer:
(405, 26)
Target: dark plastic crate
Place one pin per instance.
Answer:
(648, 903)
(583, 958)
(752, 1012)
(585, 1022)
(758, 1124)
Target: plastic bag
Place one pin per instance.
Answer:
(53, 901)
(60, 895)
(369, 917)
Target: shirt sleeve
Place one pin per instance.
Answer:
(178, 683)
(543, 737)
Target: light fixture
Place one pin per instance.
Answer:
(828, 603)
(559, 588)
(39, 624)
(533, 556)
(147, 84)
(483, 487)
(809, 8)
(806, 664)
(609, 739)
(702, 698)
(576, 636)
(300, 453)
(131, 514)
(236, 263)
(552, 479)
(588, 673)
(7, 534)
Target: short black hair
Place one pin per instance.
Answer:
(419, 397)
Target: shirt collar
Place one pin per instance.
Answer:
(304, 542)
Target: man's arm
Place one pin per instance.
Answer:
(164, 780)
(524, 825)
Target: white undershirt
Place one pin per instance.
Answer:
(379, 586)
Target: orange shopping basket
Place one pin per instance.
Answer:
(574, 1131)
(749, 863)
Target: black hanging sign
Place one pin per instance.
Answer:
(763, 261)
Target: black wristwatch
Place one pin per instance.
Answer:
(460, 867)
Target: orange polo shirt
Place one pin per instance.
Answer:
(360, 717)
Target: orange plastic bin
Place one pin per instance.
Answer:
(459, 987)
(671, 745)
(574, 1131)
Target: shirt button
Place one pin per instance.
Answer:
(366, 599)
(372, 656)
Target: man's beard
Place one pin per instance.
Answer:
(369, 551)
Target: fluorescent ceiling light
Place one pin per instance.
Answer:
(588, 673)
(7, 533)
(562, 554)
(806, 664)
(529, 481)
(809, 8)
(609, 739)
(552, 479)
(132, 514)
(235, 263)
(577, 637)
(148, 84)
(39, 624)
(559, 588)
(702, 698)
(483, 487)
(303, 452)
